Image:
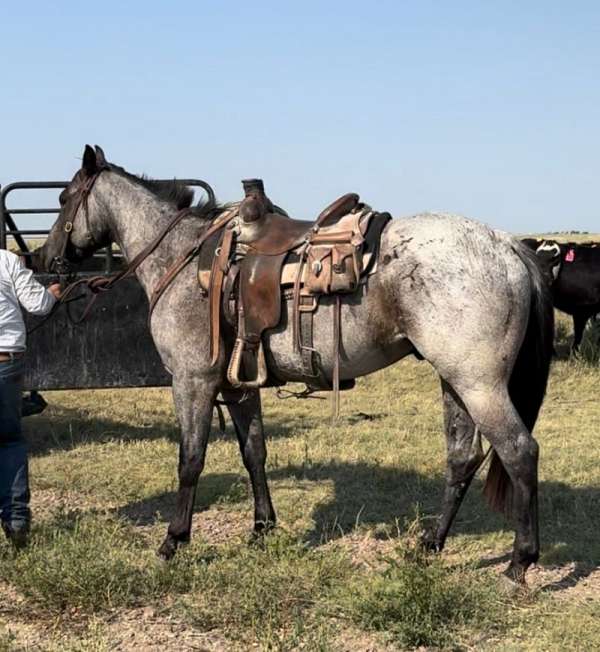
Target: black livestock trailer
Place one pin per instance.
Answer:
(112, 347)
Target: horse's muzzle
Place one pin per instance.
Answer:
(60, 265)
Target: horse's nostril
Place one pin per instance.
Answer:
(59, 265)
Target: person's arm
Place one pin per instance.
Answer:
(32, 295)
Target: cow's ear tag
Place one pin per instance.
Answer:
(570, 256)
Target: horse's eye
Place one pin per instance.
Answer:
(62, 200)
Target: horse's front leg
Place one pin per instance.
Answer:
(194, 399)
(464, 457)
(246, 412)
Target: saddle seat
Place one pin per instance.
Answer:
(262, 254)
(275, 233)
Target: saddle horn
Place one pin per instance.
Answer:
(256, 204)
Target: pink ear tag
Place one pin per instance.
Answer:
(570, 256)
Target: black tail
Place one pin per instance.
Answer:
(529, 378)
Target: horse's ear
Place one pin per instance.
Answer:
(89, 161)
(101, 161)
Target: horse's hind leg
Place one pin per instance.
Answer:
(464, 457)
(247, 419)
(194, 400)
(512, 480)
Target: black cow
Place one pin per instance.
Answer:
(574, 271)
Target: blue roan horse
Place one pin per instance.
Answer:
(469, 299)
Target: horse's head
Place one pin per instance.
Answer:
(80, 229)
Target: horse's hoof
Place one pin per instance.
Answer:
(167, 550)
(264, 527)
(429, 543)
(261, 530)
(256, 540)
(512, 582)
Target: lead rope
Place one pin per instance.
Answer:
(52, 312)
(98, 284)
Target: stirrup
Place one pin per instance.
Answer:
(235, 365)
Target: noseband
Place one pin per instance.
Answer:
(60, 264)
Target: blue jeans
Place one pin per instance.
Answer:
(14, 476)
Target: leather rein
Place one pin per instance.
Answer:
(99, 283)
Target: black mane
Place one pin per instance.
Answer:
(175, 192)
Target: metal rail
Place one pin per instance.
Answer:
(8, 226)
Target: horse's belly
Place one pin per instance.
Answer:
(364, 348)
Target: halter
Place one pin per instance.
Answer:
(61, 263)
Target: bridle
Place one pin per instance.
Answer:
(60, 264)
(98, 284)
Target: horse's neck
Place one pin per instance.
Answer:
(137, 218)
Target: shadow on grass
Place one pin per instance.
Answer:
(381, 496)
(386, 498)
(61, 429)
(213, 489)
(569, 516)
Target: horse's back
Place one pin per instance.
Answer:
(457, 253)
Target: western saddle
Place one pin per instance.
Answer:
(261, 255)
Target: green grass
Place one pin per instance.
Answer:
(89, 564)
(342, 571)
(264, 594)
(418, 600)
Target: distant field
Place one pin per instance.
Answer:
(569, 237)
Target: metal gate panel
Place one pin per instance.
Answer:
(112, 348)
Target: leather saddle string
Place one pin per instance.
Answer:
(296, 338)
(219, 269)
(337, 325)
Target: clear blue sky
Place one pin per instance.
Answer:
(487, 109)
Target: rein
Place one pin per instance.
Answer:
(99, 284)
(187, 257)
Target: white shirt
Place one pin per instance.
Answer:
(18, 288)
